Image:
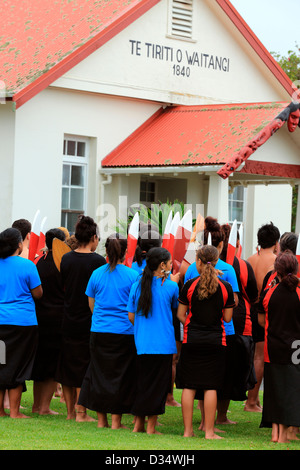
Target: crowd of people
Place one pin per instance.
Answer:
(115, 339)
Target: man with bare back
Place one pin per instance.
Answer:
(262, 262)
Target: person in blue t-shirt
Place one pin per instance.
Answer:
(109, 383)
(150, 305)
(20, 284)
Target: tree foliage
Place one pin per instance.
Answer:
(290, 63)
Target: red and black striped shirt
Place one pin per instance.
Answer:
(247, 295)
(205, 321)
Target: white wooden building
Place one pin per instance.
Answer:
(89, 93)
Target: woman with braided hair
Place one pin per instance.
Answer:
(205, 303)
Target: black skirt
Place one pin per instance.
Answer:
(20, 344)
(109, 384)
(201, 367)
(73, 360)
(281, 395)
(154, 379)
(239, 373)
(47, 354)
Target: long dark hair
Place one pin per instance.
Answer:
(116, 246)
(9, 242)
(154, 257)
(286, 266)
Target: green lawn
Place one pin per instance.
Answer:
(56, 433)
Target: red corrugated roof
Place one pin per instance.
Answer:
(42, 40)
(193, 135)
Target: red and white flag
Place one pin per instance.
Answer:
(34, 236)
(190, 254)
(173, 230)
(182, 240)
(241, 240)
(42, 238)
(132, 238)
(166, 235)
(232, 243)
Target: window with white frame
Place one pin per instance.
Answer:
(236, 204)
(147, 191)
(74, 180)
(181, 19)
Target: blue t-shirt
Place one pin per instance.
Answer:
(155, 334)
(111, 289)
(138, 268)
(229, 275)
(18, 276)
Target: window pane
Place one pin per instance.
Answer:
(71, 147)
(66, 175)
(65, 198)
(142, 196)
(77, 176)
(238, 193)
(72, 220)
(143, 186)
(63, 219)
(80, 149)
(65, 147)
(76, 199)
(151, 187)
(237, 211)
(150, 197)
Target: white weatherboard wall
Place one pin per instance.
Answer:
(40, 127)
(7, 136)
(143, 61)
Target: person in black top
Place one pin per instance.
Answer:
(279, 309)
(76, 268)
(49, 311)
(205, 303)
(240, 364)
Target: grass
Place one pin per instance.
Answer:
(54, 432)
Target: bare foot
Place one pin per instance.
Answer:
(2, 414)
(82, 417)
(172, 402)
(202, 428)
(48, 412)
(153, 432)
(119, 426)
(253, 408)
(225, 421)
(19, 416)
(189, 434)
(212, 436)
(138, 429)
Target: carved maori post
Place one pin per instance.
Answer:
(290, 115)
